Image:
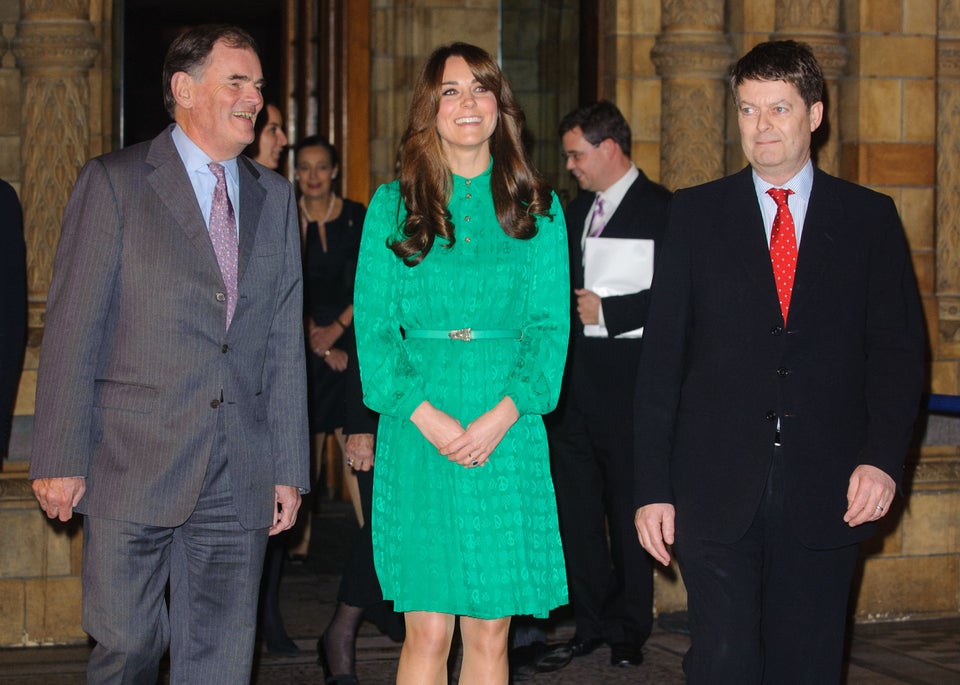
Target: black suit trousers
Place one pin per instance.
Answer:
(609, 574)
(765, 609)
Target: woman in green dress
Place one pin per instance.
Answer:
(462, 319)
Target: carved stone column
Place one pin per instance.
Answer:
(692, 55)
(54, 48)
(948, 183)
(817, 23)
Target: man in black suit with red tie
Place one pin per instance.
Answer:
(781, 376)
(615, 225)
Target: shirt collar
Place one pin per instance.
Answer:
(801, 184)
(613, 196)
(196, 160)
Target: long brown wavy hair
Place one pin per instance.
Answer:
(426, 182)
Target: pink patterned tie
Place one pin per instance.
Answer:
(223, 235)
(783, 248)
(596, 221)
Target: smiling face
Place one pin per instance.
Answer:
(775, 128)
(315, 172)
(217, 107)
(272, 138)
(586, 162)
(468, 111)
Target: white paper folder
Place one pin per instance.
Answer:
(616, 266)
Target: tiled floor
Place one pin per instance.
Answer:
(914, 652)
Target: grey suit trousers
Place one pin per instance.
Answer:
(213, 566)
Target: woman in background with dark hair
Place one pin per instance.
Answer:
(462, 306)
(330, 228)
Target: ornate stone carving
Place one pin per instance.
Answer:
(692, 141)
(692, 56)
(817, 23)
(948, 179)
(54, 54)
(692, 14)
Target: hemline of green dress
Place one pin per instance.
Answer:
(481, 542)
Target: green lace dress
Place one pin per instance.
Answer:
(481, 542)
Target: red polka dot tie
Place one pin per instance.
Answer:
(783, 248)
(223, 235)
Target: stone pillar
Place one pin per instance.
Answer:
(948, 189)
(54, 47)
(817, 23)
(691, 55)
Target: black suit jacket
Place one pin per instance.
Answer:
(600, 371)
(13, 305)
(720, 369)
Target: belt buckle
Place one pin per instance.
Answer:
(464, 334)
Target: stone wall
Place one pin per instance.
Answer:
(893, 70)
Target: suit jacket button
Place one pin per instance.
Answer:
(783, 371)
(214, 404)
(225, 348)
(776, 330)
(771, 415)
(221, 297)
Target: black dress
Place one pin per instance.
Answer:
(328, 290)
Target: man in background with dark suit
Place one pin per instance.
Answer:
(777, 389)
(615, 225)
(171, 399)
(13, 306)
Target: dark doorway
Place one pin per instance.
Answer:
(146, 27)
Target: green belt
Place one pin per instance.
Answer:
(466, 334)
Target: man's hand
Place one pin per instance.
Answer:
(655, 527)
(588, 306)
(869, 495)
(58, 496)
(359, 451)
(287, 504)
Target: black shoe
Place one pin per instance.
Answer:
(581, 647)
(538, 657)
(553, 658)
(281, 645)
(623, 654)
(337, 679)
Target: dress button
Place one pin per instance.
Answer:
(467, 239)
(225, 348)
(214, 404)
(776, 330)
(221, 297)
(468, 181)
(783, 371)
(469, 196)
(466, 218)
(771, 415)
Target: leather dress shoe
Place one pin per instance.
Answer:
(581, 647)
(625, 654)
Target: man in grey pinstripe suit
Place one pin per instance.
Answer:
(177, 430)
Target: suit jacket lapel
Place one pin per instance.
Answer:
(252, 197)
(824, 211)
(746, 235)
(623, 222)
(170, 182)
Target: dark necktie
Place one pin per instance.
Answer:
(783, 248)
(223, 235)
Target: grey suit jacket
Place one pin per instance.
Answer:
(139, 381)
